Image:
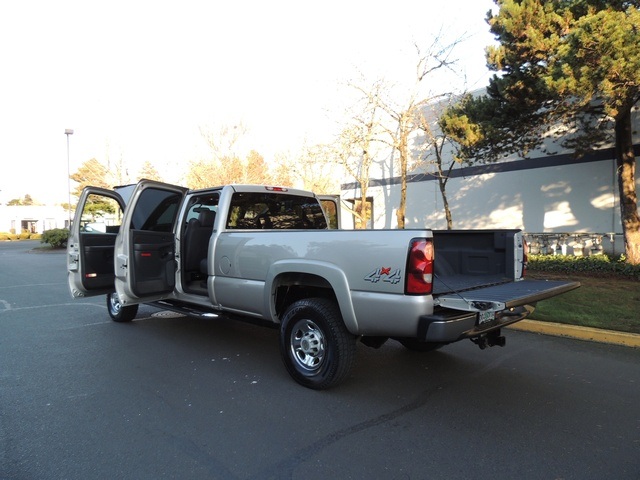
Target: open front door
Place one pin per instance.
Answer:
(90, 247)
(145, 249)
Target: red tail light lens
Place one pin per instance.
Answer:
(420, 267)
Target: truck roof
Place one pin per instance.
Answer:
(125, 191)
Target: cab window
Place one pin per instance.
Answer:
(274, 211)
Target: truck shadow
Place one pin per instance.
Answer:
(391, 368)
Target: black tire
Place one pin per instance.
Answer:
(317, 349)
(416, 345)
(117, 311)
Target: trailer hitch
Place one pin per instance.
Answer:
(490, 339)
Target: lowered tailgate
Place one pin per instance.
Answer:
(471, 313)
(507, 295)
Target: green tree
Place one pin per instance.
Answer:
(569, 68)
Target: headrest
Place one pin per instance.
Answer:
(207, 217)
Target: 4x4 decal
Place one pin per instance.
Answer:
(384, 274)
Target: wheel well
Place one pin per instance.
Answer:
(290, 287)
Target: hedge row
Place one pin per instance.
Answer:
(12, 237)
(595, 265)
(56, 237)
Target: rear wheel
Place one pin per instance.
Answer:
(119, 312)
(317, 349)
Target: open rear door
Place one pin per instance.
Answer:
(331, 207)
(90, 247)
(145, 249)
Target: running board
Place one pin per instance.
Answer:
(208, 313)
(190, 310)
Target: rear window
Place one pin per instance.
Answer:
(275, 211)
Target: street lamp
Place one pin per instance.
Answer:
(67, 132)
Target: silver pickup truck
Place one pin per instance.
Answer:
(270, 254)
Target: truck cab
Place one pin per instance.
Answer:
(157, 238)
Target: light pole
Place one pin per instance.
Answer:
(67, 132)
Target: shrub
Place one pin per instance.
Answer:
(24, 235)
(596, 265)
(56, 237)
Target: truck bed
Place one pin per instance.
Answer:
(443, 284)
(467, 260)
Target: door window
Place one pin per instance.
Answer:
(330, 208)
(99, 223)
(156, 210)
(100, 214)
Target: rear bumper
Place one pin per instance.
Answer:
(448, 326)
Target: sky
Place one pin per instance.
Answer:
(137, 80)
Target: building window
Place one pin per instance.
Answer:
(28, 226)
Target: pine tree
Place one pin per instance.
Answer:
(573, 64)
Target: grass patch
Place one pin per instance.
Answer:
(606, 302)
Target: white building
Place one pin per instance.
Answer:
(32, 218)
(564, 204)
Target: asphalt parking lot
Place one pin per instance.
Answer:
(172, 397)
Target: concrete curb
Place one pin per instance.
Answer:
(580, 333)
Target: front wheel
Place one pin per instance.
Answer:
(316, 347)
(117, 311)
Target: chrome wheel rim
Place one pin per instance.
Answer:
(114, 303)
(307, 345)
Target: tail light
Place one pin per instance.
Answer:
(420, 267)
